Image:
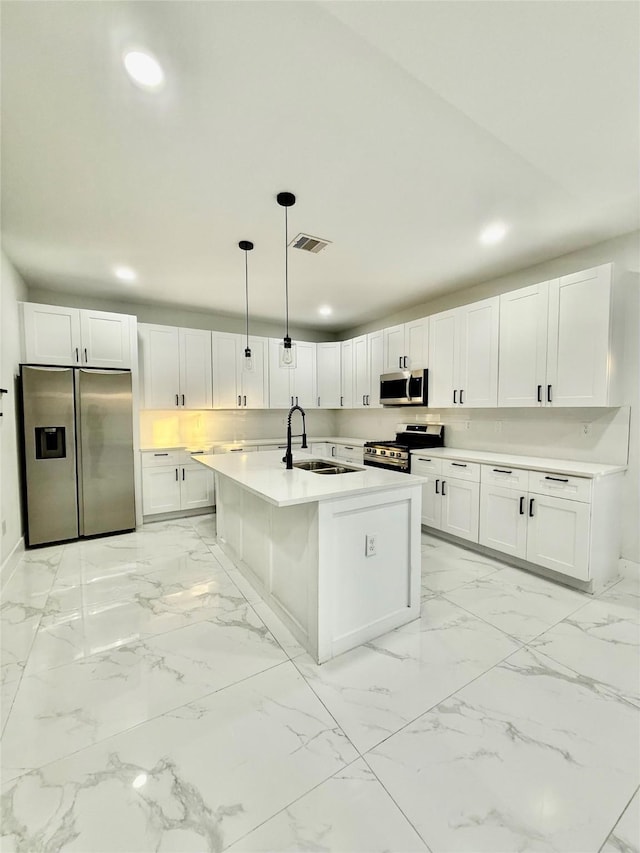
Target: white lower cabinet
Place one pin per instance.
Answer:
(558, 535)
(460, 508)
(172, 482)
(503, 520)
(450, 504)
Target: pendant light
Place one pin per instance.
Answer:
(287, 349)
(247, 246)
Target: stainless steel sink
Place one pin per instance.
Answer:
(319, 466)
(312, 464)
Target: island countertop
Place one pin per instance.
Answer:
(264, 475)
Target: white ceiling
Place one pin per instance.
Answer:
(403, 128)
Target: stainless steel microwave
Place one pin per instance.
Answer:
(404, 388)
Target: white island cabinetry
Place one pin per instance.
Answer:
(337, 557)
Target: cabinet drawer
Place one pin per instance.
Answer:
(560, 485)
(153, 458)
(505, 476)
(461, 470)
(424, 464)
(236, 448)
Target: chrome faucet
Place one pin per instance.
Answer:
(288, 457)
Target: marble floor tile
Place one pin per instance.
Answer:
(282, 634)
(8, 691)
(374, 690)
(349, 812)
(68, 708)
(152, 607)
(625, 837)
(442, 572)
(18, 629)
(206, 527)
(531, 756)
(518, 602)
(195, 779)
(33, 576)
(601, 641)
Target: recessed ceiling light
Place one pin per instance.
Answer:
(144, 69)
(493, 233)
(125, 273)
(325, 310)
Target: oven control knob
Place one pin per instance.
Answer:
(383, 453)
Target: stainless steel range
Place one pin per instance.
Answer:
(396, 455)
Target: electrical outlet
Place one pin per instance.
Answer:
(497, 427)
(586, 429)
(370, 545)
(467, 425)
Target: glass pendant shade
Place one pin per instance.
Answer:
(247, 361)
(288, 354)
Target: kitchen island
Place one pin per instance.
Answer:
(337, 557)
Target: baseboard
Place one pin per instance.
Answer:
(11, 561)
(183, 513)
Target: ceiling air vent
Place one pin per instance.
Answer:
(308, 243)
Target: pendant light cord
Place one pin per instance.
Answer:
(286, 270)
(246, 289)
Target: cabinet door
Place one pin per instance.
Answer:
(195, 369)
(160, 489)
(304, 375)
(416, 342)
(328, 369)
(376, 368)
(346, 389)
(254, 384)
(196, 486)
(558, 535)
(578, 347)
(105, 339)
(443, 341)
(51, 334)
(431, 501)
(503, 520)
(460, 508)
(280, 379)
(523, 346)
(394, 349)
(477, 374)
(225, 370)
(361, 389)
(160, 365)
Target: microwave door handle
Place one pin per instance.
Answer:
(408, 392)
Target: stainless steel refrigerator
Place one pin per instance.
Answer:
(78, 452)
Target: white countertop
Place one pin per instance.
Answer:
(533, 463)
(258, 442)
(264, 474)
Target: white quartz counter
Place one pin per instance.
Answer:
(264, 475)
(533, 463)
(259, 442)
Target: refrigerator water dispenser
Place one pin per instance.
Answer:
(50, 443)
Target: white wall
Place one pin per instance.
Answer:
(615, 435)
(169, 429)
(12, 290)
(171, 315)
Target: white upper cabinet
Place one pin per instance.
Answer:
(376, 367)
(328, 367)
(291, 385)
(361, 388)
(561, 342)
(463, 356)
(578, 355)
(235, 387)
(406, 345)
(346, 389)
(523, 346)
(77, 338)
(175, 367)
